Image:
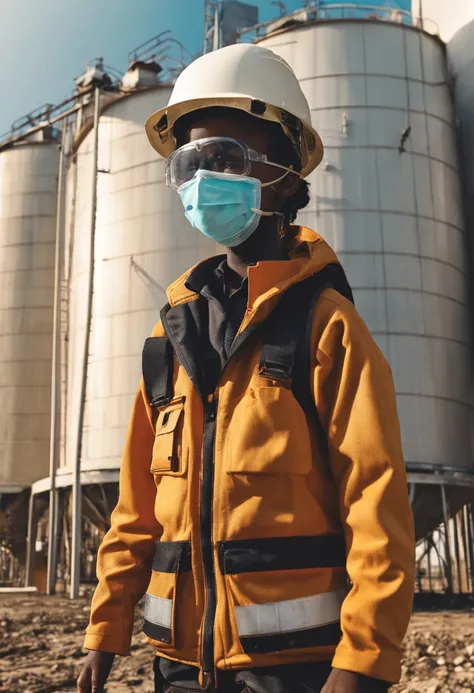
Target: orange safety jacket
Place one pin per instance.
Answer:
(255, 546)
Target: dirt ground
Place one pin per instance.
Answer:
(41, 650)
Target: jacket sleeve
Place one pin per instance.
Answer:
(355, 395)
(126, 553)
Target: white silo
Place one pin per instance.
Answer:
(28, 183)
(28, 191)
(461, 59)
(387, 197)
(142, 243)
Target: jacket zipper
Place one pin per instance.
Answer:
(207, 502)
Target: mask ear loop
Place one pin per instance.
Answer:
(272, 183)
(282, 221)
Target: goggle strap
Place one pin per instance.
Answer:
(287, 171)
(284, 168)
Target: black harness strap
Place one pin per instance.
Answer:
(287, 338)
(282, 330)
(286, 333)
(157, 367)
(331, 277)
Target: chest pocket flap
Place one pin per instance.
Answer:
(168, 454)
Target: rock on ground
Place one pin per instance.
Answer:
(41, 650)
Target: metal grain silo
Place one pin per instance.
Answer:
(125, 239)
(387, 197)
(142, 243)
(461, 59)
(28, 192)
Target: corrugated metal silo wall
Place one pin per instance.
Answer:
(143, 243)
(28, 189)
(461, 58)
(394, 218)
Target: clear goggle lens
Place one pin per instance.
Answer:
(218, 154)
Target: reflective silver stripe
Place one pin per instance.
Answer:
(158, 610)
(290, 615)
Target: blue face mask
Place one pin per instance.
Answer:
(223, 206)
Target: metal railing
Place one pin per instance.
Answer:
(47, 115)
(40, 119)
(41, 115)
(317, 12)
(164, 49)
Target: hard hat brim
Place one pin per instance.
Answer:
(159, 126)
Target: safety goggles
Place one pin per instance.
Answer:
(219, 154)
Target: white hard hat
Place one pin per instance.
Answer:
(246, 77)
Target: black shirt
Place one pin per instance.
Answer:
(227, 295)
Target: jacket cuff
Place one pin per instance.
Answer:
(385, 666)
(106, 642)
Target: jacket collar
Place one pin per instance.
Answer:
(267, 279)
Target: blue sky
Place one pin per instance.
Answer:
(44, 44)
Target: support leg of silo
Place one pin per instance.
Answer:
(30, 542)
(465, 546)
(457, 552)
(67, 540)
(419, 569)
(447, 546)
(430, 548)
(53, 544)
(470, 540)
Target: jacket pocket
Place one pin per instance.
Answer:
(285, 593)
(171, 560)
(168, 455)
(271, 434)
